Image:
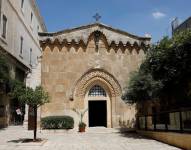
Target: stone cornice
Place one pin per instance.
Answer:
(83, 33)
(92, 25)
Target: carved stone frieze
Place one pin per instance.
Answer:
(97, 76)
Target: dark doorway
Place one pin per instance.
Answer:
(17, 112)
(97, 113)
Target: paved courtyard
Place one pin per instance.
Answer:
(93, 139)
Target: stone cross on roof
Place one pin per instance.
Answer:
(97, 17)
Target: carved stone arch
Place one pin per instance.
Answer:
(113, 46)
(82, 45)
(121, 47)
(101, 83)
(93, 76)
(102, 37)
(136, 47)
(129, 47)
(56, 49)
(46, 48)
(144, 47)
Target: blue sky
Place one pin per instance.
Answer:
(134, 16)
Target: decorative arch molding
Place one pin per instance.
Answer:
(97, 76)
(80, 37)
(101, 34)
(81, 44)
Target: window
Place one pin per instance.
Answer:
(38, 28)
(4, 31)
(30, 57)
(31, 17)
(97, 91)
(21, 45)
(22, 4)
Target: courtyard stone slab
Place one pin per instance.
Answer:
(93, 139)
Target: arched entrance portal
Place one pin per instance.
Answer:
(97, 91)
(97, 106)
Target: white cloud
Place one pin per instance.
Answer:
(158, 15)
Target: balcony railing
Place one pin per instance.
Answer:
(174, 121)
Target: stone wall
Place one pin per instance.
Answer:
(19, 24)
(181, 140)
(63, 66)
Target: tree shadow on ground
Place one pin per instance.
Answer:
(16, 141)
(2, 129)
(130, 133)
(25, 140)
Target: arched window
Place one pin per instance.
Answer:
(97, 90)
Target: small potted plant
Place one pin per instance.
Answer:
(82, 125)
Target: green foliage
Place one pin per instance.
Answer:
(57, 122)
(82, 125)
(142, 87)
(29, 96)
(32, 97)
(17, 88)
(80, 114)
(165, 71)
(4, 69)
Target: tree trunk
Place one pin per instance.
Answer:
(35, 122)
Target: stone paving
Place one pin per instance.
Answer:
(93, 139)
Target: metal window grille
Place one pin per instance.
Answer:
(97, 91)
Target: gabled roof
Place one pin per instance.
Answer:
(83, 32)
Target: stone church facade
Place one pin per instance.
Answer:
(87, 68)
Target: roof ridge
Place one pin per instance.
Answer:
(50, 34)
